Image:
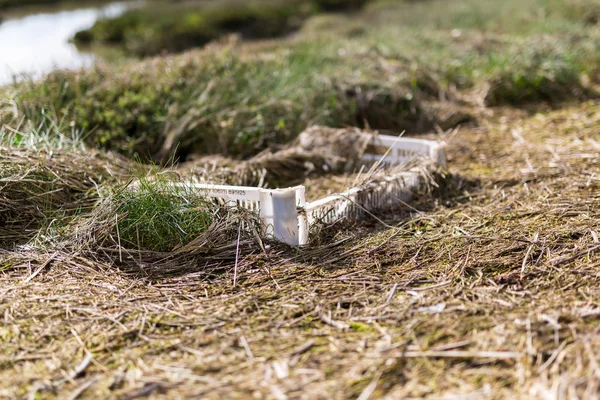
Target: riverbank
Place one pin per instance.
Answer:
(36, 46)
(238, 99)
(484, 286)
(173, 27)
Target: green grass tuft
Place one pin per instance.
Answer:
(158, 216)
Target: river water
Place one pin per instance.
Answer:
(38, 42)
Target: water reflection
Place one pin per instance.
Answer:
(39, 43)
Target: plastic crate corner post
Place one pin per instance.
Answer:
(285, 216)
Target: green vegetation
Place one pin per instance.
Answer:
(223, 103)
(387, 69)
(172, 28)
(149, 32)
(157, 216)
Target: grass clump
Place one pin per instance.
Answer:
(541, 73)
(159, 216)
(173, 28)
(223, 103)
(582, 11)
(47, 178)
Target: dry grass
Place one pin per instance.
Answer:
(42, 187)
(490, 291)
(318, 151)
(322, 186)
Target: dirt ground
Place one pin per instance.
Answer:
(488, 288)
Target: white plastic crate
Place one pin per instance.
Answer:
(287, 217)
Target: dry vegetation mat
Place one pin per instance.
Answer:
(317, 151)
(39, 188)
(487, 290)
